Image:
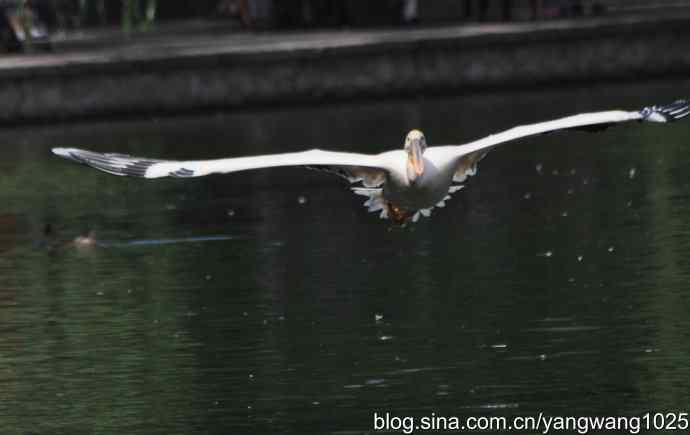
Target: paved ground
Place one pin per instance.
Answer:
(190, 66)
(202, 39)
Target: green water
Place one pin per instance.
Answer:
(227, 305)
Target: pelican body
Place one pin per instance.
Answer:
(421, 180)
(400, 185)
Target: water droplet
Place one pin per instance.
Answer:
(385, 337)
(527, 195)
(352, 386)
(564, 214)
(539, 167)
(573, 171)
(632, 173)
(579, 258)
(301, 200)
(611, 249)
(231, 213)
(542, 356)
(378, 317)
(547, 254)
(555, 172)
(208, 277)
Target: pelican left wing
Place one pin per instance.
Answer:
(125, 165)
(586, 122)
(468, 155)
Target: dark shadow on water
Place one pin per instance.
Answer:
(156, 242)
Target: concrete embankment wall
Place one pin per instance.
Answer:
(229, 71)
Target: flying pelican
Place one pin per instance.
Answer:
(401, 185)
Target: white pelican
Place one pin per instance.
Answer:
(401, 184)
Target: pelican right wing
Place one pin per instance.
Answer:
(124, 165)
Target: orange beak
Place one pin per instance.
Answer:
(416, 159)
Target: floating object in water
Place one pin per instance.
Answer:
(52, 242)
(85, 241)
(400, 185)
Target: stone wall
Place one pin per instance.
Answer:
(327, 66)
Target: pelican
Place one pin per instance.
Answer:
(400, 185)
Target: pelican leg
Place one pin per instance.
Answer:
(398, 215)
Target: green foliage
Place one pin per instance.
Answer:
(138, 14)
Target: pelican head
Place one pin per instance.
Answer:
(415, 144)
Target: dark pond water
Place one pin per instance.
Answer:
(227, 305)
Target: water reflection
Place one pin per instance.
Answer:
(289, 316)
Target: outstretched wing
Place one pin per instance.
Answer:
(468, 155)
(359, 167)
(369, 177)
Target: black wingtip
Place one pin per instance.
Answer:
(116, 164)
(68, 153)
(679, 109)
